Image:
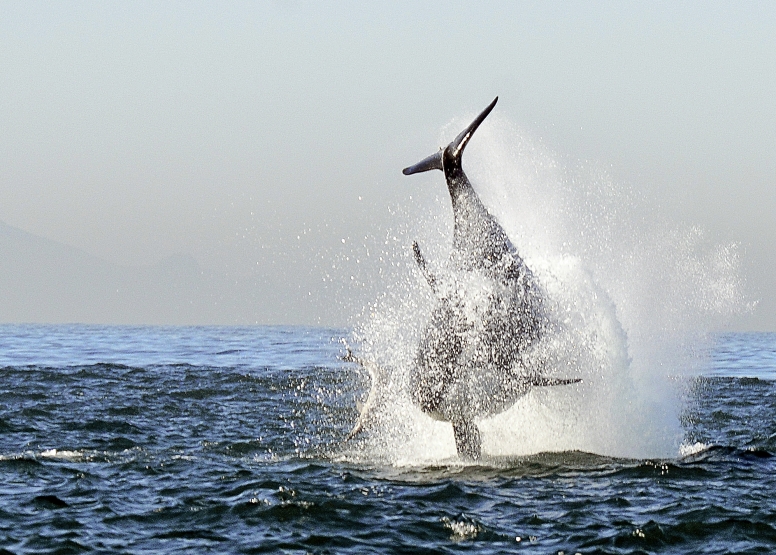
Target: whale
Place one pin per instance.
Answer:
(474, 355)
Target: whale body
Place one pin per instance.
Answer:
(472, 358)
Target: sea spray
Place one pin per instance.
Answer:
(630, 295)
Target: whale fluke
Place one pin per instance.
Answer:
(433, 162)
(454, 150)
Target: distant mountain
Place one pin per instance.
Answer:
(45, 281)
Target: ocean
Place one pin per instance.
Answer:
(232, 440)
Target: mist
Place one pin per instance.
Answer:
(260, 145)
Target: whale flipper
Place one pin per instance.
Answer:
(421, 261)
(467, 439)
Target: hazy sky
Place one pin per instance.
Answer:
(225, 130)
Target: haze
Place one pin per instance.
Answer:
(254, 143)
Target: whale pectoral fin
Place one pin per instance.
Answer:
(467, 440)
(430, 278)
(419, 256)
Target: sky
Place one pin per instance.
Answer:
(258, 138)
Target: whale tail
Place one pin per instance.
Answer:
(454, 150)
(433, 162)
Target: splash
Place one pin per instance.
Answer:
(632, 296)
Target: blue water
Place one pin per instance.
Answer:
(230, 440)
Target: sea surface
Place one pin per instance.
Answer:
(230, 440)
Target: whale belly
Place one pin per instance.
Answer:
(468, 363)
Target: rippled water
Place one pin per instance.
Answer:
(230, 440)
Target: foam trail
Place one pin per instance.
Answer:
(631, 294)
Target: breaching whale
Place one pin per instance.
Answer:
(473, 356)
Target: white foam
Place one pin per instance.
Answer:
(62, 454)
(632, 292)
(686, 450)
